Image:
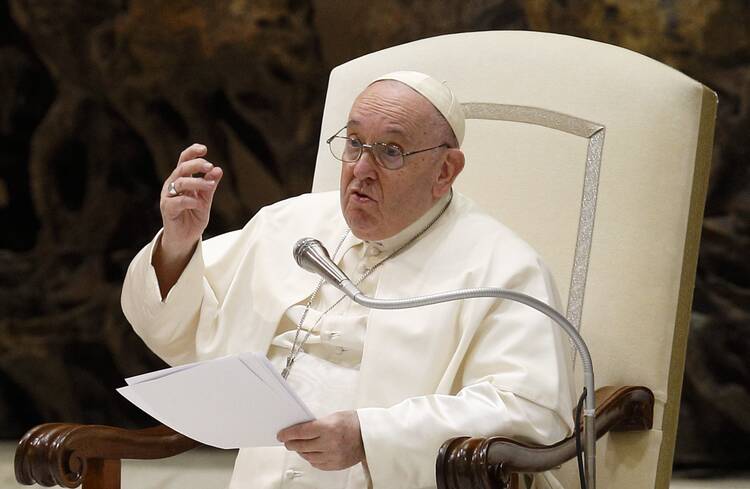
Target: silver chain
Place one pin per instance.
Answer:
(295, 349)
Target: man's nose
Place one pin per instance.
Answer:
(366, 165)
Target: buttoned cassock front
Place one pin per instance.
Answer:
(475, 367)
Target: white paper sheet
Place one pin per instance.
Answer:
(230, 402)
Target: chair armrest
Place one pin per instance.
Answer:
(484, 463)
(64, 454)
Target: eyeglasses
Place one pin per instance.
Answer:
(389, 156)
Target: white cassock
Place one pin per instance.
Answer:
(416, 377)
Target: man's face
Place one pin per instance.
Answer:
(378, 203)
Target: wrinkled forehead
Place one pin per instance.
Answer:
(398, 106)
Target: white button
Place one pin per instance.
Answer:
(292, 474)
(333, 334)
(339, 350)
(373, 251)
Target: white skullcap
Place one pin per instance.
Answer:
(437, 93)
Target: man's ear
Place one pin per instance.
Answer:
(452, 165)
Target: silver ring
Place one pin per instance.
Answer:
(172, 190)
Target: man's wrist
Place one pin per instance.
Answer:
(174, 251)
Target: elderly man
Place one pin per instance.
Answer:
(387, 387)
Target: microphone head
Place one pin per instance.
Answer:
(311, 255)
(302, 250)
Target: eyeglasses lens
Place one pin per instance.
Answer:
(350, 150)
(345, 149)
(389, 156)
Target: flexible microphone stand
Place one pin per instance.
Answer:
(311, 255)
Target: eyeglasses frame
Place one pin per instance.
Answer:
(371, 147)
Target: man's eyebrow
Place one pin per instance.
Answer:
(390, 129)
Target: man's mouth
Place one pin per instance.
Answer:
(361, 197)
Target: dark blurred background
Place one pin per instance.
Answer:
(98, 97)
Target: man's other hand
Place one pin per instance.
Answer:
(333, 442)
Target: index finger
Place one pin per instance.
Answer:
(192, 152)
(302, 431)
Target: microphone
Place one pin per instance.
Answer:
(311, 255)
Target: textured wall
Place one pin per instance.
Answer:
(97, 98)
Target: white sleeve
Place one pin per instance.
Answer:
(182, 327)
(167, 326)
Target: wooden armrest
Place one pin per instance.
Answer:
(68, 454)
(484, 463)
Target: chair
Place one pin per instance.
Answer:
(599, 158)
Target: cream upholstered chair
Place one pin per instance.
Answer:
(598, 157)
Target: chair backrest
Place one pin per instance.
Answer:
(598, 157)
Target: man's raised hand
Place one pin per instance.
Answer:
(185, 215)
(185, 205)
